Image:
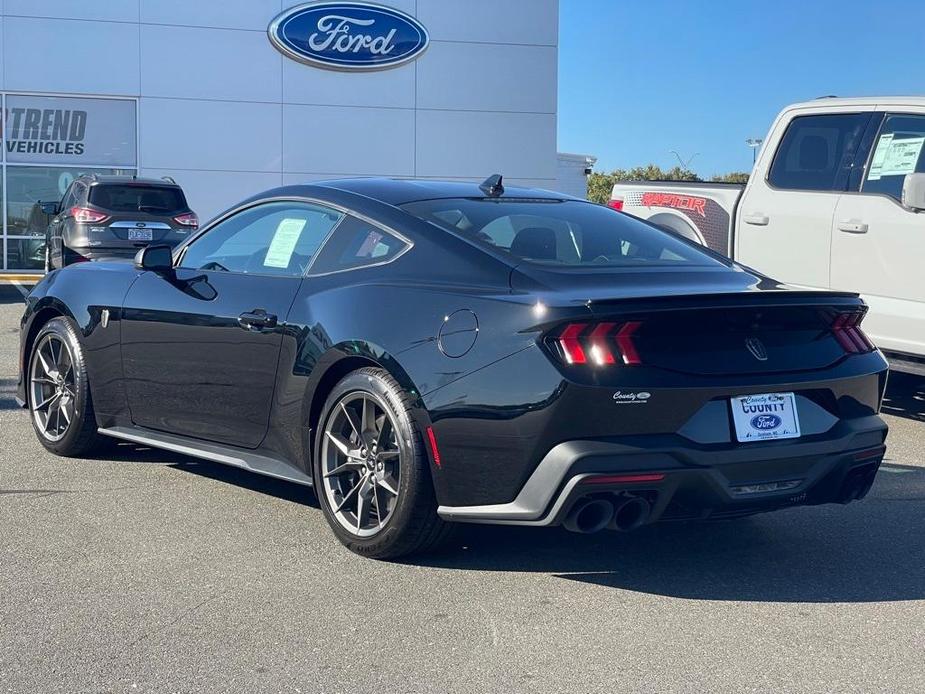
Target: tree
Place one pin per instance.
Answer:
(600, 185)
(733, 177)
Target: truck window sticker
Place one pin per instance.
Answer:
(287, 235)
(895, 156)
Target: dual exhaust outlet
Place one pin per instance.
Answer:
(625, 513)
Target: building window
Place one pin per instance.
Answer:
(47, 142)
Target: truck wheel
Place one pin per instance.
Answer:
(371, 472)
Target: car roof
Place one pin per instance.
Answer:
(96, 179)
(398, 191)
(859, 101)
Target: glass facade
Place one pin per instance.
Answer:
(47, 142)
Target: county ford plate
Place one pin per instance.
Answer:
(765, 417)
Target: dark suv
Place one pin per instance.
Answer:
(114, 216)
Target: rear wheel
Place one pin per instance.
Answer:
(59, 392)
(371, 472)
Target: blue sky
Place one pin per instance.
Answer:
(637, 79)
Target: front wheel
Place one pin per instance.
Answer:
(59, 392)
(371, 472)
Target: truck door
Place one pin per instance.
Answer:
(784, 226)
(878, 246)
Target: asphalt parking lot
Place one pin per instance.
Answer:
(148, 571)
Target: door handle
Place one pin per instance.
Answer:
(257, 320)
(759, 220)
(853, 227)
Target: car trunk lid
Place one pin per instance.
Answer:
(699, 323)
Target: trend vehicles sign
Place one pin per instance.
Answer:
(348, 35)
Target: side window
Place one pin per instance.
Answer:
(354, 244)
(275, 238)
(815, 151)
(897, 151)
(67, 200)
(71, 197)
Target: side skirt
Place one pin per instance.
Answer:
(214, 452)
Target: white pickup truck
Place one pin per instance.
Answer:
(836, 200)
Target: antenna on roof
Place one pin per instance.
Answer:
(492, 187)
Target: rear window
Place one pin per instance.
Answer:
(560, 233)
(815, 151)
(137, 198)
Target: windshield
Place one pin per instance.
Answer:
(138, 198)
(564, 233)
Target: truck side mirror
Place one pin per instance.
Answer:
(914, 191)
(49, 208)
(158, 258)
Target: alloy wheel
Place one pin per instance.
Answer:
(361, 463)
(53, 387)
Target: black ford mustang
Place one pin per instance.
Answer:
(425, 353)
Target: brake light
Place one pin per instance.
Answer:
(625, 342)
(188, 220)
(571, 345)
(624, 479)
(847, 330)
(615, 204)
(85, 214)
(600, 344)
(600, 351)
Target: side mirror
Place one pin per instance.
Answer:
(49, 208)
(157, 258)
(914, 191)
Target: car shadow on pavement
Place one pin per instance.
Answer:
(870, 551)
(8, 394)
(905, 396)
(123, 451)
(9, 295)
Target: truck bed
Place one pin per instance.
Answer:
(703, 212)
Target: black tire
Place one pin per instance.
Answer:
(412, 525)
(80, 435)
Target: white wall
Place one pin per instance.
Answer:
(571, 178)
(227, 115)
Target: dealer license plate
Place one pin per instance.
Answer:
(765, 417)
(139, 235)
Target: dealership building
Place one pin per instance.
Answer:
(232, 97)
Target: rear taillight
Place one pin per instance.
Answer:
(188, 220)
(846, 327)
(624, 479)
(615, 204)
(85, 214)
(598, 344)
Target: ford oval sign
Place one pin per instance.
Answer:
(766, 422)
(348, 35)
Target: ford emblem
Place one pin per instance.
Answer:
(348, 35)
(766, 422)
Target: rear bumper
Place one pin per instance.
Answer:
(125, 252)
(687, 481)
